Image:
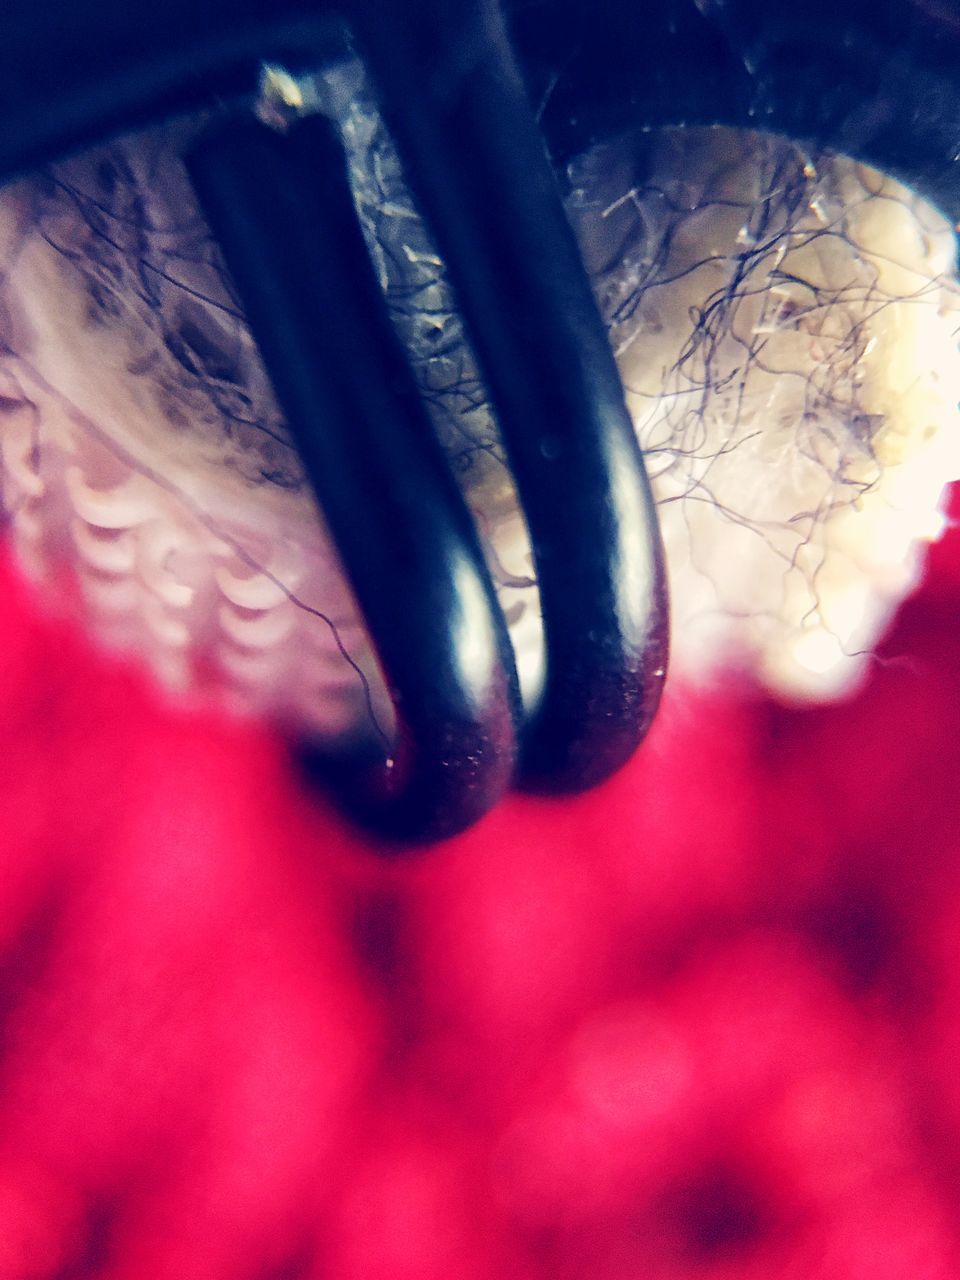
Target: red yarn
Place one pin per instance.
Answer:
(703, 1022)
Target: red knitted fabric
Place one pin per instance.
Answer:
(703, 1022)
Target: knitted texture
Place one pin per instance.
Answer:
(702, 1022)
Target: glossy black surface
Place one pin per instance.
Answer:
(281, 208)
(877, 78)
(455, 104)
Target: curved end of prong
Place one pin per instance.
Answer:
(436, 786)
(282, 209)
(591, 724)
(476, 161)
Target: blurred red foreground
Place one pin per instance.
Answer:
(703, 1022)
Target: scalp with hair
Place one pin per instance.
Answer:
(785, 327)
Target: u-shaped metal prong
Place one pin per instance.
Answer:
(454, 101)
(281, 208)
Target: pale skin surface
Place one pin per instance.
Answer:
(784, 324)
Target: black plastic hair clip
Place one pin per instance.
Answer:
(281, 207)
(454, 80)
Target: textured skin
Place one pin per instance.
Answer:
(785, 327)
(701, 1023)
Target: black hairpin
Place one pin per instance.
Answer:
(281, 207)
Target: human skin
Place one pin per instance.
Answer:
(784, 325)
